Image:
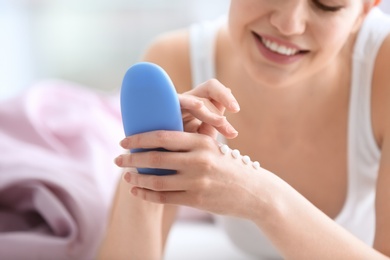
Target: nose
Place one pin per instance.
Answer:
(290, 18)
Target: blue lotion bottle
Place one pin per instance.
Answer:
(149, 102)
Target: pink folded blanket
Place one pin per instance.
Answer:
(57, 176)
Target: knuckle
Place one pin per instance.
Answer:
(156, 183)
(204, 163)
(135, 141)
(213, 82)
(161, 198)
(208, 143)
(162, 136)
(220, 121)
(203, 102)
(135, 180)
(204, 183)
(129, 159)
(155, 159)
(144, 194)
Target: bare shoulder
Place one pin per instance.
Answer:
(381, 119)
(171, 51)
(381, 92)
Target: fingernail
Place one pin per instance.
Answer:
(230, 129)
(235, 106)
(134, 191)
(127, 177)
(124, 143)
(119, 160)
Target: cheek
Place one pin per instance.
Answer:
(243, 14)
(332, 37)
(333, 34)
(236, 28)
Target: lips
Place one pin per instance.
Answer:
(277, 50)
(280, 49)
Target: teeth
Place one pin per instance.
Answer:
(280, 49)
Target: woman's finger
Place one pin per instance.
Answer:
(159, 160)
(175, 182)
(213, 89)
(168, 197)
(208, 113)
(222, 125)
(189, 102)
(204, 110)
(170, 140)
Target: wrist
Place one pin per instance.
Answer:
(269, 203)
(128, 204)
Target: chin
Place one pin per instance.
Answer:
(272, 78)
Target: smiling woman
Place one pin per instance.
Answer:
(313, 110)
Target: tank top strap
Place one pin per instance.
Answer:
(203, 38)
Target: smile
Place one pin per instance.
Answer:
(280, 49)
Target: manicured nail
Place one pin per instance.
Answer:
(235, 106)
(119, 160)
(230, 129)
(127, 177)
(124, 143)
(134, 191)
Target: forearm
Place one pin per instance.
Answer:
(135, 228)
(301, 231)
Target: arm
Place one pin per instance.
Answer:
(138, 229)
(212, 181)
(301, 231)
(135, 228)
(381, 123)
(296, 215)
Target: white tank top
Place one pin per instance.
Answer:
(358, 212)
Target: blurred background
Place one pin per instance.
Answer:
(91, 42)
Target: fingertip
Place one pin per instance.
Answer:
(124, 143)
(126, 177)
(231, 135)
(231, 130)
(118, 160)
(134, 191)
(234, 106)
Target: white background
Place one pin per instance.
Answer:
(91, 42)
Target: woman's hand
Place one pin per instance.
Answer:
(206, 178)
(203, 108)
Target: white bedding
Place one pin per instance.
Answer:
(195, 240)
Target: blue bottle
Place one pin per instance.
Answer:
(149, 102)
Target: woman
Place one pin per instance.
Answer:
(310, 78)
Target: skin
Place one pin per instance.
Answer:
(302, 183)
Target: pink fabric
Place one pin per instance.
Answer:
(57, 176)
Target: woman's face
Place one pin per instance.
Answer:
(284, 41)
